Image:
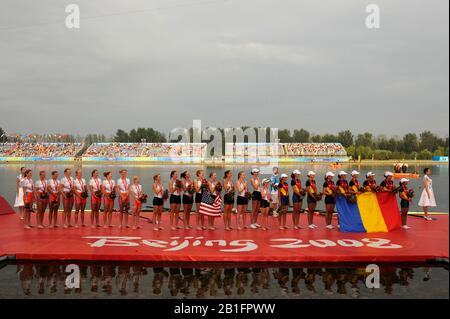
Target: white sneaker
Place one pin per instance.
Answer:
(330, 227)
(253, 226)
(428, 218)
(406, 227)
(312, 226)
(257, 225)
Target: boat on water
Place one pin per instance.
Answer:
(406, 175)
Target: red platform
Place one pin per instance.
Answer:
(425, 241)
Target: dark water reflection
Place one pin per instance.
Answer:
(136, 281)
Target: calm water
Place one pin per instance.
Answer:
(440, 176)
(135, 281)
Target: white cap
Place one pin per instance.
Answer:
(388, 174)
(255, 170)
(329, 174)
(403, 180)
(343, 173)
(355, 173)
(283, 175)
(296, 172)
(370, 174)
(265, 180)
(311, 173)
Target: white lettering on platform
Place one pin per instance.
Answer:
(380, 243)
(237, 245)
(113, 241)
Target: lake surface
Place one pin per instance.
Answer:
(440, 176)
(136, 281)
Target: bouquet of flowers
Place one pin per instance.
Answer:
(248, 195)
(395, 190)
(178, 184)
(191, 189)
(125, 207)
(143, 198)
(43, 195)
(204, 184)
(84, 194)
(98, 194)
(113, 195)
(302, 193)
(165, 194)
(218, 187)
(351, 198)
(230, 191)
(54, 204)
(317, 196)
(410, 193)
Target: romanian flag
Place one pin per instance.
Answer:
(372, 213)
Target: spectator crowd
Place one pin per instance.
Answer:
(112, 150)
(316, 149)
(39, 149)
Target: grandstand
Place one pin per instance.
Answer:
(289, 152)
(178, 152)
(39, 151)
(172, 152)
(313, 149)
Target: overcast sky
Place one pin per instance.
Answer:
(277, 63)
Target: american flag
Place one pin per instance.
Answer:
(210, 206)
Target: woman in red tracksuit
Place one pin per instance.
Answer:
(54, 189)
(28, 198)
(81, 195)
(95, 186)
(67, 195)
(41, 196)
(109, 196)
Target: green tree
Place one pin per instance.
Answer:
(424, 155)
(285, 136)
(301, 136)
(345, 138)
(382, 155)
(364, 151)
(121, 136)
(351, 151)
(428, 141)
(409, 143)
(3, 137)
(329, 138)
(365, 139)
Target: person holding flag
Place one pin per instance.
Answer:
(210, 205)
